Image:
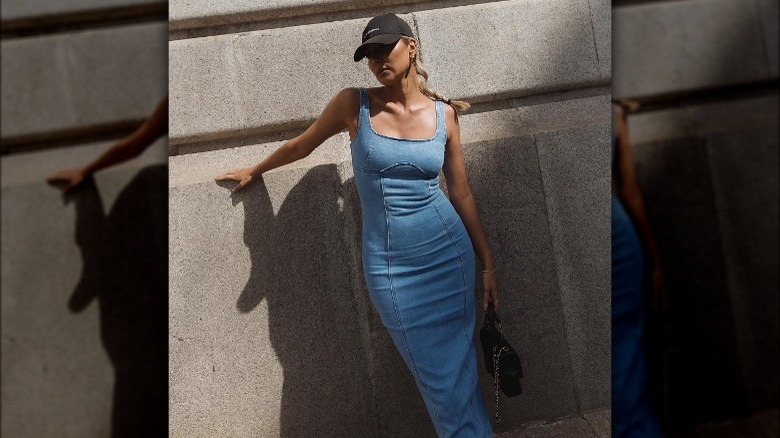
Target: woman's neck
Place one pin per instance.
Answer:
(405, 92)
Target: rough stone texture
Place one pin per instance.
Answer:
(748, 225)
(711, 196)
(597, 424)
(63, 82)
(292, 260)
(601, 20)
(515, 220)
(29, 9)
(574, 165)
(234, 85)
(573, 427)
(762, 424)
(189, 14)
(79, 330)
(190, 167)
(600, 421)
(768, 11)
(704, 119)
(667, 47)
(556, 52)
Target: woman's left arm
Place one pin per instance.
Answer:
(461, 198)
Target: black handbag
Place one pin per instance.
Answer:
(501, 360)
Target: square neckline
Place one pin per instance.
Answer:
(368, 120)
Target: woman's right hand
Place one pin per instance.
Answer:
(243, 176)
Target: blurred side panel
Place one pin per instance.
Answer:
(84, 276)
(705, 144)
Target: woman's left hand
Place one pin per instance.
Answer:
(68, 179)
(490, 290)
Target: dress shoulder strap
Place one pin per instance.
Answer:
(441, 128)
(364, 112)
(363, 99)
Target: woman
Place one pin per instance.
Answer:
(417, 246)
(632, 415)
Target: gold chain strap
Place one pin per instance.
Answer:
(496, 362)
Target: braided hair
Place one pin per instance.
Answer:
(422, 73)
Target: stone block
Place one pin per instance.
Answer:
(600, 421)
(84, 292)
(556, 52)
(668, 47)
(704, 119)
(567, 428)
(601, 17)
(30, 10)
(678, 193)
(266, 279)
(205, 166)
(514, 217)
(745, 186)
(234, 85)
(65, 82)
(768, 12)
(573, 165)
(523, 118)
(187, 15)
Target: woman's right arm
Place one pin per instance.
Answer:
(333, 119)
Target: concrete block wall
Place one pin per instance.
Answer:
(272, 331)
(68, 82)
(706, 153)
(84, 277)
(674, 47)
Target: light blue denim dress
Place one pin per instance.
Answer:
(419, 267)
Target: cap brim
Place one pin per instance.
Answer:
(387, 38)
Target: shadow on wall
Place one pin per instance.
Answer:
(342, 373)
(125, 259)
(301, 264)
(725, 363)
(707, 197)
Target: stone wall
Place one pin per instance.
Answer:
(272, 331)
(705, 143)
(84, 277)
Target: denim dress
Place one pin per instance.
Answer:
(419, 267)
(632, 415)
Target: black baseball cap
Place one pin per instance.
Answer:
(383, 29)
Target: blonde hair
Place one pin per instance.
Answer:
(628, 105)
(422, 73)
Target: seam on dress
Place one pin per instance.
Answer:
(398, 315)
(465, 334)
(403, 163)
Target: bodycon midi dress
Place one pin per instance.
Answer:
(632, 415)
(419, 267)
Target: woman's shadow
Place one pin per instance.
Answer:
(302, 264)
(125, 268)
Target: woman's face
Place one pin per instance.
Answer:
(389, 62)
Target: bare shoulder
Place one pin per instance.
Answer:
(348, 101)
(451, 121)
(348, 97)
